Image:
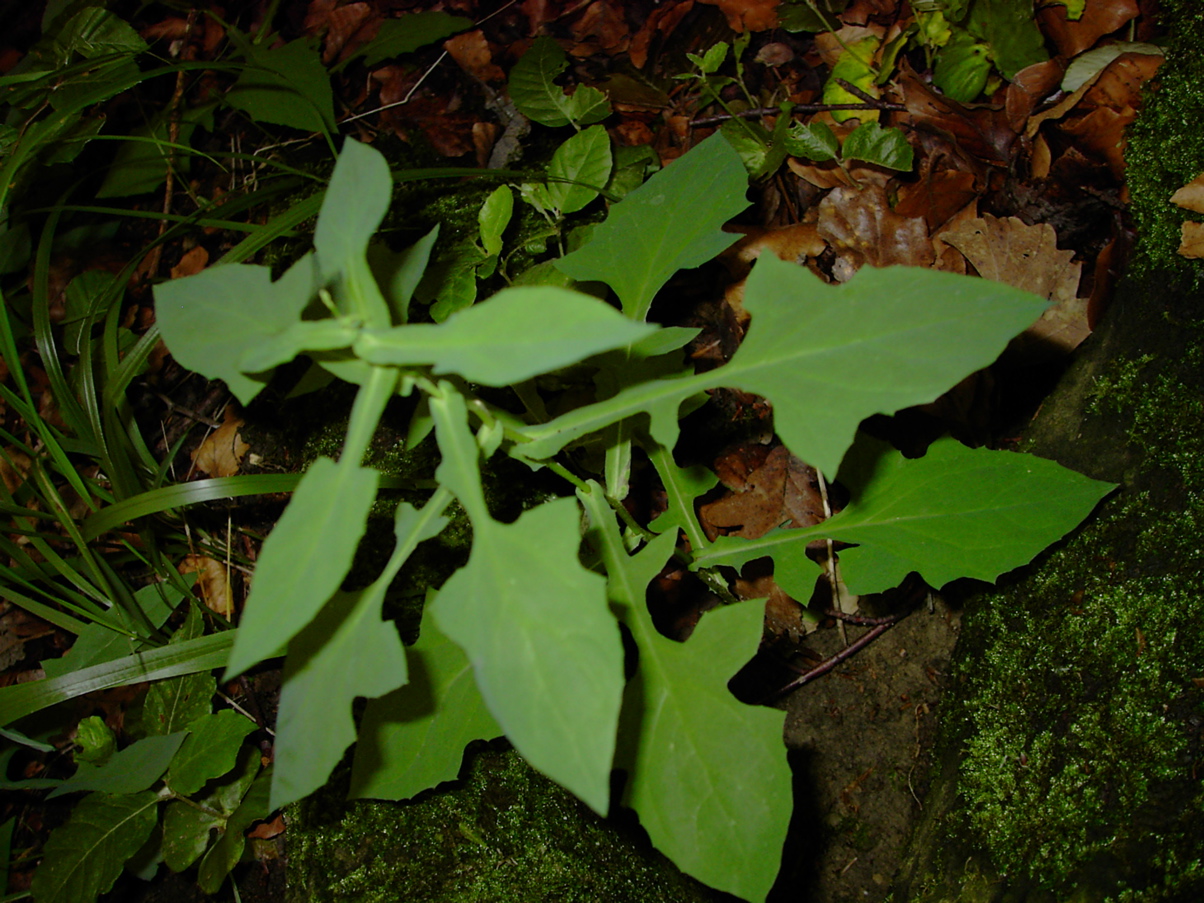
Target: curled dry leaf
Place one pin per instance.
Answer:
(213, 581)
(1073, 36)
(193, 261)
(221, 454)
(1191, 195)
(1192, 242)
(661, 21)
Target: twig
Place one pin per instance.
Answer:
(800, 108)
(831, 662)
(861, 620)
(868, 98)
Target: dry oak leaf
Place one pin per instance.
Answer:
(1191, 195)
(1192, 242)
(781, 491)
(862, 228)
(221, 454)
(213, 580)
(1027, 257)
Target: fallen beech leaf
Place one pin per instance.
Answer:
(604, 21)
(662, 21)
(193, 261)
(221, 454)
(1192, 244)
(213, 580)
(1073, 36)
(748, 15)
(1191, 195)
(862, 228)
(266, 830)
(471, 51)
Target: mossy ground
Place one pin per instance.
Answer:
(504, 834)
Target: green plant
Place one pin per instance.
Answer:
(524, 640)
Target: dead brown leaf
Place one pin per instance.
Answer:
(661, 21)
(862, 228)
(1073, 36)
(193, 261)
(473, 54)
(1192, 243)
(213, 580)
(1027, 257)
(1191, 195)
(222, 451)
(748, 15)
(782, 491)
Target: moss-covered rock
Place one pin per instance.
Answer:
(1071, 764)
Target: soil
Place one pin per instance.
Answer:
(860, 738)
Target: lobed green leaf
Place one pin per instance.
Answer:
(648, 236)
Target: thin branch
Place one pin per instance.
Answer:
(831, 662)
(801, 108)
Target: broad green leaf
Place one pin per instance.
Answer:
(802, 15)
(881, 146)
(83, 858)
(581, 162)
(671, 222)
(494, 216)
(1011, 29)
(827, 357)
(186, 834)
(413, 739)
(302, 337)
(95, 32)
(130, 770)
(359, 194)
(539, 98)
(97, 643)
(210, 320)
(186, 829)
(286, 86)
(304, 559)
(210, 751)
(706, 773)
(96, 741)
(855, 66)
(751, 141)
(534, 623)
(516, 334)
(226, 853)
(813, 141)
(399, 274)
(346, 652)
(962, 67)
(409, 32)
(171, 705)
(956, 512)
(202, 654)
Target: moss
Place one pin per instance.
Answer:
(506, 834)
(1078, 721)
(1166, 143)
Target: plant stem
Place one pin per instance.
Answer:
(369, 405)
